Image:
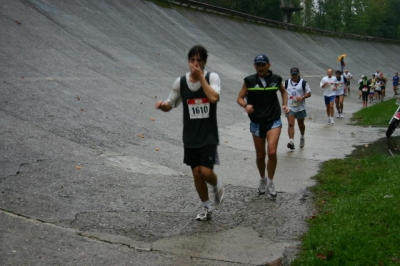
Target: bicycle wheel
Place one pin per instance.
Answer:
(392, 127)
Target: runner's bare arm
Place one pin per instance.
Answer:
(285, 108)
(211, 94)
(197, 73)
(241, 100)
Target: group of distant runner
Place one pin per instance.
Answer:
(199, 93)
(370, 89)
(335, 88)
(374, 89)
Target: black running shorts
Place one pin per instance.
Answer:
(204, 156)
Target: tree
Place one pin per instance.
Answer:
(269, 9)
(391, 28)
(308, 12)
(376, 10)
(377, 18)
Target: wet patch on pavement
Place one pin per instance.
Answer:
(388, 146)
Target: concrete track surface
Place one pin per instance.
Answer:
(92, 174)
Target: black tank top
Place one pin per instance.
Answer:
(264, 99)
(199, 117)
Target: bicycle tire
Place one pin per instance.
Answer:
(392, 127)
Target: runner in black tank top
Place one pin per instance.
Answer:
(199, 93)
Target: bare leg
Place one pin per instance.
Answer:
(203, 175)
(259, 145)
(302, 126)
(272, 139)
(337, 103)
(328, 110)
(341, 100)
(331, 109)
(291, 122)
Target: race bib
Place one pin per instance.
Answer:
(330, 86)
(364, 89)
(199, 108)
(293, 101)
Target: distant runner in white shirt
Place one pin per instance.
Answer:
(297, 90)
(377, 73)
(328, 84)
(340, 91)
(348, 76)
(378, 89)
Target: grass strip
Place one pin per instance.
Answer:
(378, 114)
(358, 217)
(357, 200)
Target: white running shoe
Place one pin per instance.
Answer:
(341, 116)
(302, 142)
(271, 189)
(261, 187)
(329, 121)
(204, 215)
(338, 116)
(332, 122)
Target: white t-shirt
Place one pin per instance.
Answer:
(348, 76)
(378, 85)
(296, 90)
(329, 89)
(340, 85)
(175, 98)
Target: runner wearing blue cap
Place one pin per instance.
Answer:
(258, 96)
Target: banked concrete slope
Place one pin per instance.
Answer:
(82, 148)
(139, 47)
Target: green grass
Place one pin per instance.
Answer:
(357, 203)
(358, 215)
(375, 115)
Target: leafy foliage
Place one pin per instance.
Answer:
(378, 18)
(270, 9)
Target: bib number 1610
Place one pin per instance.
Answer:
(199, 108)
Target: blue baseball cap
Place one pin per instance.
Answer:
(295, 70)
(261, 58)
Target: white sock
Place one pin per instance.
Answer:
(262, 178)
(302, 136)
(291, 140)
(219, 184)
(269, 181)
(207, 204)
